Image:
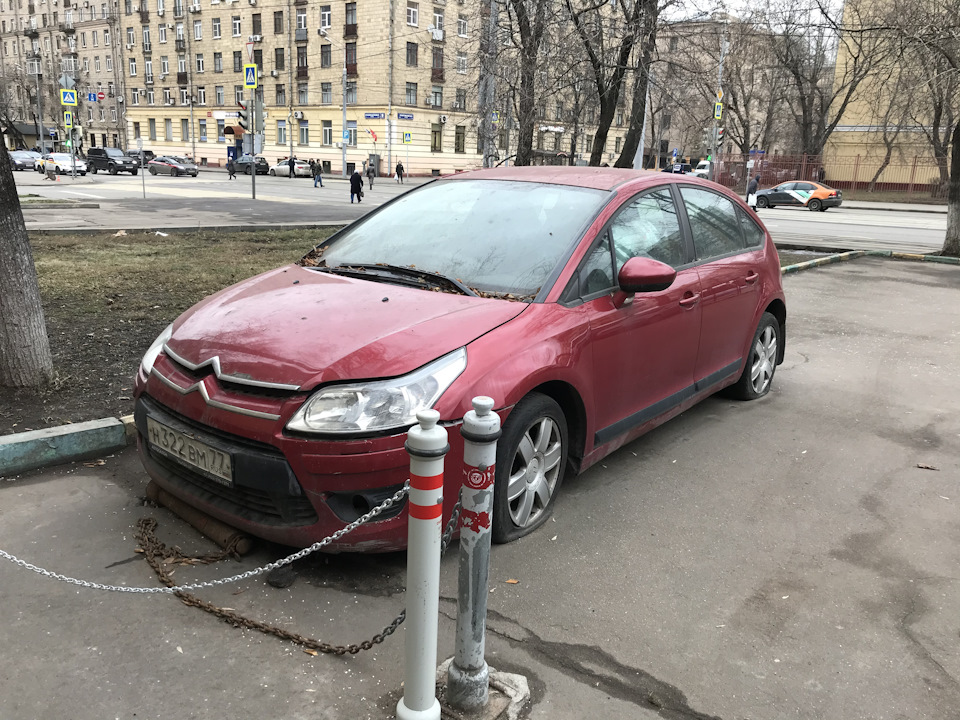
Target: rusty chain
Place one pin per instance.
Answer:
(157, 554)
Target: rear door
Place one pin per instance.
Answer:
(644, 351)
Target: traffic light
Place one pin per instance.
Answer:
(705, 140)
(244, 119)
(719, 137)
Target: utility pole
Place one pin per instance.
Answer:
(290, 73)
(40, 109)
(716, 151)
(488, 70)
(346, 134)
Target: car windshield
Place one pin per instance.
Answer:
(113, 152)
(492, 235)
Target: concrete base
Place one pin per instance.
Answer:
(507, 700)
(51, 446)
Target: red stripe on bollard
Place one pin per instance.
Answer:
(433, 482)
(426, 512)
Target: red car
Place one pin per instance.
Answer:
(592, 304)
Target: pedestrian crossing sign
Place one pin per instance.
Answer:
(68, 119)
(68, 97)
(407, 138)
(250, 76)
(718, 111)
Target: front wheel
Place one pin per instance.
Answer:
(762, 202)
(113, 170)
(174, 172)
(761, 364)
(273, 173)
(133, 172)
(153, 171)
(94, 169)
(815, 205)
(531, 459)
(247, 170)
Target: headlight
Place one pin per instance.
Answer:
(150, 357)
(378, 405)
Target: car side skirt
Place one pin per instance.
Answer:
(661, 407)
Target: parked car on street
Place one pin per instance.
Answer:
(172, 165)
(246, 163)
(702, 170)
(282, 168)
(61, 164)
(112, 160)
(22, 160)
(679, 168)
(592, 304)
(815, 196)
(141, 157)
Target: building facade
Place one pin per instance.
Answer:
(49, 44)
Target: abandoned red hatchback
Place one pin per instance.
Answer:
(591, 304)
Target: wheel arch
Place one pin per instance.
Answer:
(778, 309)
(574, 411)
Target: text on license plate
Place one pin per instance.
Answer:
(191, 452)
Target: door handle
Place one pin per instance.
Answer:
(753, 277)
(690, 301)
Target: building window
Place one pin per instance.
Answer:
(136, 130)
(237, 61)
(327, 135)
(278, 26)
(351, 53)
(109, 63)
(325, 17)
(135, 100)
(301, 19)
(412, 54)
(133, 67)
(278, 58)
(437, 58)
(461, 101)
(199, 62)
(167, 97)
(257, 24)
(162, 33)
(352, 133)
(436, 96)
(203, 130)
(436, 137)
(184, 97)
(236, 25)
(462, 26)
(619, 118)
(413, 13)
(281, 95)
(131, 36)
(411, 98)
(673, 43)
(325, 56)
(258, 59)
(184, 129)
(304, 128)
(96, 63)
(351, 13)
(351, 93)
(460, 139)
(218, 92)
(146, 37)
(153, 128)
(201, 96)
(238, 91)
(216, 28)
(221, 127)
(303, 94)
(301, 56)
(326, 93)
(218, 62)
(151, 98)
(437, 19)
(462, 62)
(198, 30)
(168, 130)
(281, 132)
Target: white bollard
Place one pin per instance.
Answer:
(468, 675)
(427, 446)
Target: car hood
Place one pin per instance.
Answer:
(294, 326)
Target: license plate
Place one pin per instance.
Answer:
(213, 463)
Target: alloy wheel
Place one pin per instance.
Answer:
(534, 471)
(763, 360)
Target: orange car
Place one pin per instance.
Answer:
(815, 196)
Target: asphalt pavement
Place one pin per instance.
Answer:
(791, 557)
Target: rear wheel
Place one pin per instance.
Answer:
(762, 202)
(247, 170)
(113, 169)
(531, 459)
(761, 364)
(815, 205)
(93, 169)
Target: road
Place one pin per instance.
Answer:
(211, 199)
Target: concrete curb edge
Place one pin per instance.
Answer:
(192, 228)
(853, 254)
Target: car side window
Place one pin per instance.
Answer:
(596, 273)
(805, 186)
(752, 233)
(648, 227)
(713, 223)
(787, 186)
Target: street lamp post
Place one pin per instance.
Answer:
(344, 135)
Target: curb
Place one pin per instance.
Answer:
(192, 228)
(37, 449)
(929, 211)
(59, 206)
(853, 254)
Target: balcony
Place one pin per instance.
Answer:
(436, 74)
(301, 35)
(351, 70)
(67, 27)
(144, 15)
(350, 30)
(68, 52)
(301, 73)
(181, 45)
(66, 4)
(181, 78)
(31, 32)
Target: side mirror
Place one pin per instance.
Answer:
(640, 274)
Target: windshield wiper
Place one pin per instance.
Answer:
(413, 277)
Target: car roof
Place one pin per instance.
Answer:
(597, 178)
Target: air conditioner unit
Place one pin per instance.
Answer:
(171, 102)
(337, 145)
(274, 73)
(297, 114)
(256, 38)
(194, 8)
(142, 92)
(253, 2)
(129, 46)
(169, 26)
(443, 118)
(120, 99)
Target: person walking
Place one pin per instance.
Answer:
(292, 163)
(231, 169)
(370, 175)
(752, 188)
(399, 172)
(318, 173)
(356, 186)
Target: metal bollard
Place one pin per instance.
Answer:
(468, 675)
(426, 445)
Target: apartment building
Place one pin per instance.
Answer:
(410, 90)
(49, 44)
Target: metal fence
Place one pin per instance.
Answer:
(923, 179)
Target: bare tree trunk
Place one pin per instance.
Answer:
(883, 166)
(951, 244)
(25, 359)
(638, 110)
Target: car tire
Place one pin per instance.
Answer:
(113, 170)
(153, 171)
(133, 172)
(174, 172)
(247, 170)
(273, 173)
(762, 202)
(94, 170)
(757, 377)
(535, 441)
(815, 205)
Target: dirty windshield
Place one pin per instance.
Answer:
(491, 235)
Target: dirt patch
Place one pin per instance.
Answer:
(106, 298)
